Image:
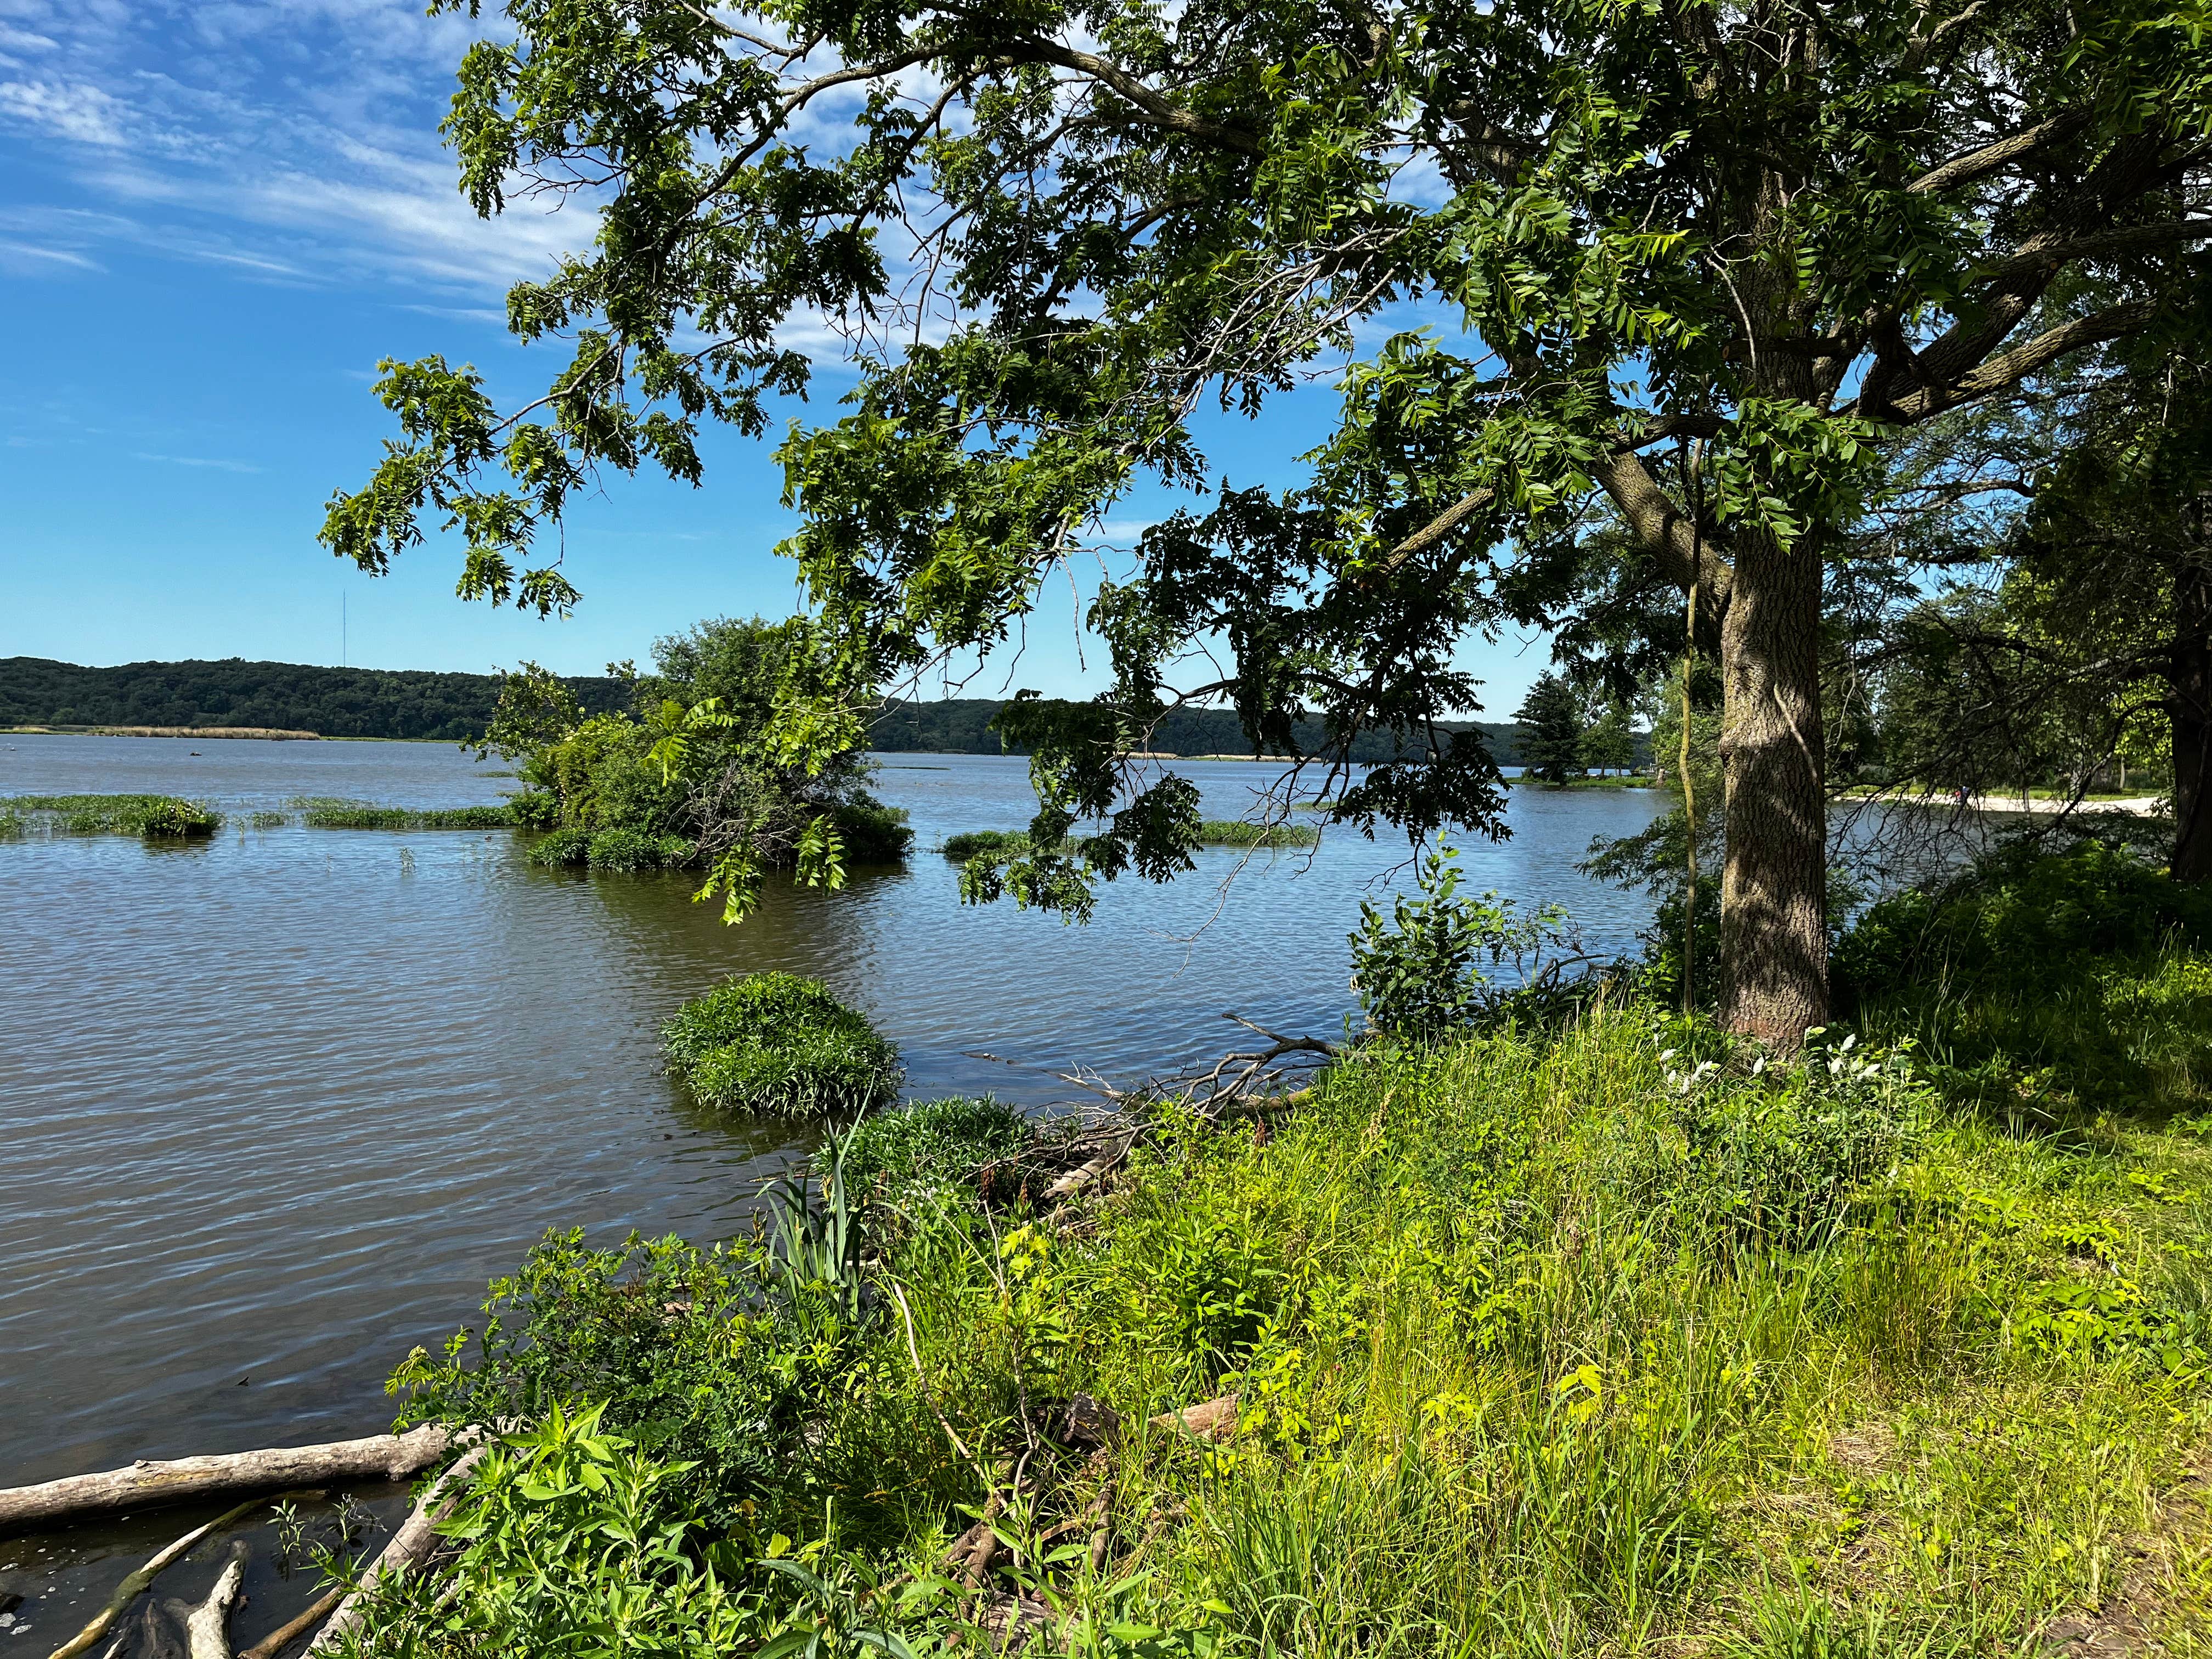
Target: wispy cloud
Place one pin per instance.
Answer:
(19, 255)
(292, 141)
(216, 462)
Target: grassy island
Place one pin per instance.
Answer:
(154, 817)
(1581, 1330)
(781, 1046)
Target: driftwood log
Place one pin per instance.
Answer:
(129, 1589)
(284, 1635)
(416, 1537)
(145, 1485)
(207, 1626)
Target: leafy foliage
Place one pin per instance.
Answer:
(1417, 971)
(780, 1045)
(359, 815)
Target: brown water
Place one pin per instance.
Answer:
(274, 1107)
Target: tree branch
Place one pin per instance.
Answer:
(1996, 157)
(2023, 360)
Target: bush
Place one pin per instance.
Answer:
(782, 1046)
(535, 809)
(929, 1144)
(561, 846)
(624, 852)
(873, 833)
(2019, 919)
(1000, 844)
(661, 1334)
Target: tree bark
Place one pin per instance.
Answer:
(1774, 943)
(2189, 704)
(147, 1485)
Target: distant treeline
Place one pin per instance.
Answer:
(390, 702)
(339, 703)
(962, 726)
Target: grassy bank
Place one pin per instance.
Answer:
(1607, 1337)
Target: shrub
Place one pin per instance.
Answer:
(562, 847)
(662, 1334)
(622, 852)
(930, 1143)
(780, 1045)
(1000, 844)
(535, 809)
(1416, 970)
(2019, 919)
(873, 833)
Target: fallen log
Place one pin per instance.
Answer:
(129, 1591)
(207, 1626)
(416, 1537)
(146, 1485)
(284, 1635)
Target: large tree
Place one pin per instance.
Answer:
(1694, 257)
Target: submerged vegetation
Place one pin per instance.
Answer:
(360, 815)
(1595, 1332)
(781, 1046)
(155, 817)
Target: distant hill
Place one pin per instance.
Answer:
(392, 703)
(962, 726)
(339, 703)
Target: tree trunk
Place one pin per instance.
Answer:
(2189, 704)
(1774, 942)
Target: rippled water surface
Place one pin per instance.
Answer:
(274, 1107)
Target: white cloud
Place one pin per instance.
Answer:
(83, 114)
(48, 261)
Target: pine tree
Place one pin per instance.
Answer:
(1552, 730)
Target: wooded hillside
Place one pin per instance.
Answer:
(339, 703)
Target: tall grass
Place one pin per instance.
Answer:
(1603, 1338)
(359, 815)
(156, 817)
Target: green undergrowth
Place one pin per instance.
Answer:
(1607, 1338)
(780, 1046)
(155, 817)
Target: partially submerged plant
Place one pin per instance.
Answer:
(782, 1046)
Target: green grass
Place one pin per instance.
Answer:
(360, 815)
(780, 1046)
(1613, 1337)
(155, 817)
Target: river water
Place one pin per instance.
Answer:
(274, 1107)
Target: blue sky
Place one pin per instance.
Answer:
(215, 219)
